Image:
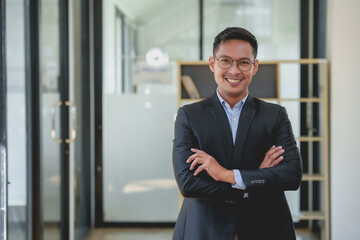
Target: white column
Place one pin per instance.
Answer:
(344, 54)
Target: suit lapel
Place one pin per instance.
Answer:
(246, 117)
(218, 113)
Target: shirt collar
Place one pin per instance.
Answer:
(225, 104)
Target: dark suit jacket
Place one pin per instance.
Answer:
(214, 210)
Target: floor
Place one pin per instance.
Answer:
(153, 234)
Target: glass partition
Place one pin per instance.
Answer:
(140, 103)
(16, 120)
(137, 120)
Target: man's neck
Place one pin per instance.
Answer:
(232, 101)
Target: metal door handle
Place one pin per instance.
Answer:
(53, 130)
(74, 122)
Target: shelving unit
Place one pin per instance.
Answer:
(313, 118)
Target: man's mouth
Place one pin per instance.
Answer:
(231, 80)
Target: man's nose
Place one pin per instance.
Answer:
(234, 68)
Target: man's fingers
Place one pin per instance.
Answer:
(195, 150)
(194, 163)
(191, 158)
(273, 150)
(277, 154)
(277, 161)
(272, 157)
(199, 158)
(269, 155)
(199, 169)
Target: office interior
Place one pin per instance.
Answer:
(89, 93)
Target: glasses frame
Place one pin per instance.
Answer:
(237, 65)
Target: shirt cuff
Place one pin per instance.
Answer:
(239, 181)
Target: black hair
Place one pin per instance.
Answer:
(235, 33)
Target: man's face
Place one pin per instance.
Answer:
(233, 83)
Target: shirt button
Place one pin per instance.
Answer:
(234, 119)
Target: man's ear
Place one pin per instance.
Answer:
(212, 63)
(256, 66)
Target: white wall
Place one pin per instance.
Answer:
(344, 52)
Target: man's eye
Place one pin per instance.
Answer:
(225, 61)
(245, 63)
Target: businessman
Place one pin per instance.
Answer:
(234, 155)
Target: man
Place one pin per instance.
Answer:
(234, 155)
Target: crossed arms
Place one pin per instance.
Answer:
(209, 164)
(199, 175)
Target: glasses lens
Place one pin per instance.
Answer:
(225, 62)
(245, 64)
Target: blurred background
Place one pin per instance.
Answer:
(90, 91)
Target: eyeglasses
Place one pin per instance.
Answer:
(243, 64)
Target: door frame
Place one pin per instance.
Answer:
(64, 96)
(3, 124)
(97, 25)
(82, 37)
(32, 64)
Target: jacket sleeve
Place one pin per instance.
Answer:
(200, 186)
(285, 176)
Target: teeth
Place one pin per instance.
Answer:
(233, 80)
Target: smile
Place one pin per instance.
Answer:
(233, 80)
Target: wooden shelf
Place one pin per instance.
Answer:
(310, 139)
(313, 177)
(270, 99)
(302, 100)
(189, 100)
(310, 215)
(298, 61)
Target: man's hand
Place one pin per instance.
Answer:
(272, 157)
(217, 172)
(210, 165)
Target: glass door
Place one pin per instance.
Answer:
(65, 122)
(52, 111)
